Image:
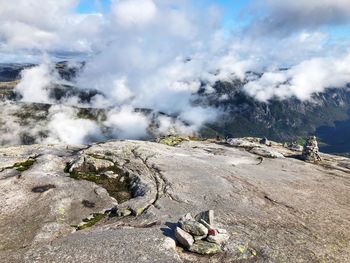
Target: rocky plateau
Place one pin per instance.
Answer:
(121, 201)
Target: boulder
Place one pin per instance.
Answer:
(266, 152)
(87, 164)
(294, 147)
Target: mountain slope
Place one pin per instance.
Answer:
(281, 120)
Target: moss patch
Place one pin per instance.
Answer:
(21, 167)
(91, 221)
(245, 252)
(117, 187)
(172, 140)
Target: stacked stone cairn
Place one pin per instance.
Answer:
(311, 151)
(200, 235)
(265, 141)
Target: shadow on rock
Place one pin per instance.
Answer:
(170, 230)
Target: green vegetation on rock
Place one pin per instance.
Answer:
(205, 248)
(116, 188)
(172, 140)
(23, 166)
(91, 221)
(117, 185)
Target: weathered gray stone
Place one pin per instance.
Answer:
(88, 163)
(266, 152)
(183, 237)
(193, 227)
(218, 238)
(169, 243)
(207, 216)
(205, 248)
(205, 224)
(294, 147)
(199, 237)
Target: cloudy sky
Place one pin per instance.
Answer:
(157, 53)
(73, 27)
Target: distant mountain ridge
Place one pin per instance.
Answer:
(280, 120)
(326, 115)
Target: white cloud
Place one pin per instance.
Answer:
(287, 16)
(129, 13)
(47, 25)
(126, 123)
(65, 127)
(35, 83)
(308, 77)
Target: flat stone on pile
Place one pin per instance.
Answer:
(193, 227)
(199, 237)
(207, 216)
(205, 248)
(204, 223)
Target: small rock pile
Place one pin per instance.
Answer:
(265, 141)
(310, 150)
(199, 234)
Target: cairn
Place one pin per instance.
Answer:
(311, 151)
(265, 141)
(199, 234)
